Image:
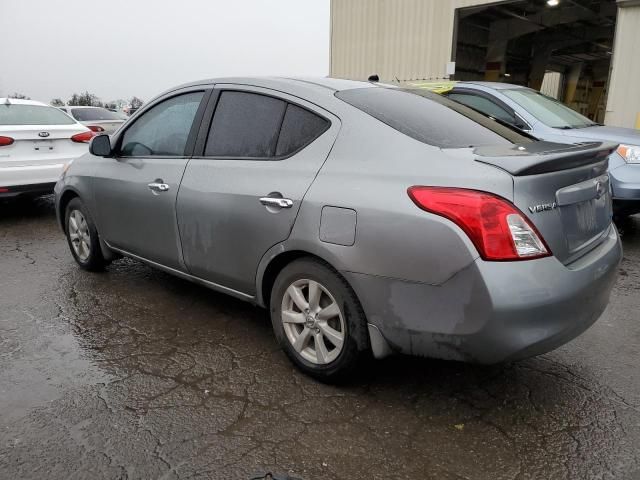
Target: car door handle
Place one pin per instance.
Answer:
(276, 202)
(158, 187)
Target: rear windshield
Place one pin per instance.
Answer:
(431, 118)
(84, 114)
(19, 114)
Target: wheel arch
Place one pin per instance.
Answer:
(274, 263)
(68, 195)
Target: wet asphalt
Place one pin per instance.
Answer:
(136, 374)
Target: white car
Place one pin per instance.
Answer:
(97, 119)
(37, 141)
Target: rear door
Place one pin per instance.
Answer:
(135, 192)
(257, 158)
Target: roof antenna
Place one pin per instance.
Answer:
(374, 78)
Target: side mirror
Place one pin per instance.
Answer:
(101, 146)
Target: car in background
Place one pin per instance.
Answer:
(548, 119)
(37, 141)
(97, 119)
(364, 218)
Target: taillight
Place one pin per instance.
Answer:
(4, 141)
(83, 137)
(95, 128)
(499, 231)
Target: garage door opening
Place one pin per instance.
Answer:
(561, 47)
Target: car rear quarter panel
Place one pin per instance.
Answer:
(369, 171)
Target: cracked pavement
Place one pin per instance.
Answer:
(136, 374)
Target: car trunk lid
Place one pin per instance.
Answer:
(40, 144)
(563, 189)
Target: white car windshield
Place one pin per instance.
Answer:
(548, 110)
(20, 114)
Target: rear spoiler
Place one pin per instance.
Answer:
(544, 157)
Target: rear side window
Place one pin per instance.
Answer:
(245, 125)
(252, 125)
(20, 114)
(162, 130)
(299, 128)
(430, 118)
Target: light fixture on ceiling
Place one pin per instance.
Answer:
(507, 74)
(553, 3)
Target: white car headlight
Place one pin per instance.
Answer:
(630, 153)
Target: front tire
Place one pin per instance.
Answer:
(82, 237)
(317, 320)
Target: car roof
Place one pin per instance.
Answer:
(294, 85)
(19, 101)
(494, 85)
(446, 86)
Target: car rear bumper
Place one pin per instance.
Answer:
(35, 189)
(493, 311)
(32, 174)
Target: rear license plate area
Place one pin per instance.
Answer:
(585, 221)
(43, 146)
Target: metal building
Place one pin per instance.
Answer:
(584, 52)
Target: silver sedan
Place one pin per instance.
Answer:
(97, 119)
(364, 218)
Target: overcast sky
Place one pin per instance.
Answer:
(120, 48)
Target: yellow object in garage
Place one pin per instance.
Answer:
(436, 87)
(638, 121)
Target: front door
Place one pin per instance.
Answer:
(241, 194)
(135, 192)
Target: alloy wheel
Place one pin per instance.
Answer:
(312, 321)
(79, 235)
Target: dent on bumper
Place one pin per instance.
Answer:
(493, 311)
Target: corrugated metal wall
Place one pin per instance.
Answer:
(623, 103)
(552, 84)
(403, 39)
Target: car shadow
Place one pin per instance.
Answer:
(18, 208)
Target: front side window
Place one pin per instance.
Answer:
(483, 105)
(21, 114)
(548, 110)
(245, 125)
(162, 130)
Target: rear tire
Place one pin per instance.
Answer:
(318, 320)
(82, 237)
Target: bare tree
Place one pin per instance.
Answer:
(19, 96)
(136, 102)
(57, 102)
(85, 99)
